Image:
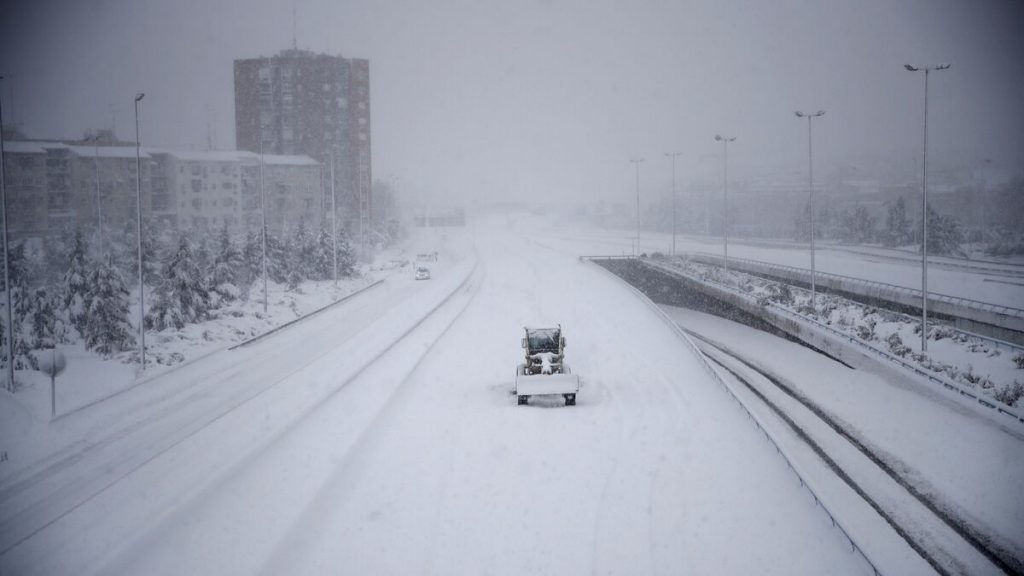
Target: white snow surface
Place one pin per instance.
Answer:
(381, 437)
(969, 465)
(878, 265)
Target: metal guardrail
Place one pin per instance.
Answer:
(932, 296)
(616, 257)
(994, 267)
(717, 377)
(930, 377)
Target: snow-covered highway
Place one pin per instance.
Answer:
(423, 463)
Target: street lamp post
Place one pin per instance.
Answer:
(924, 206)
(263, 223)
(334, 221)
(95, 139)
(637, 162)
(725, 195)
(810, 188)
(138, 206)
(673, 156)
(7, 276)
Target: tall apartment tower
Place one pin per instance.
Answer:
(302, 103)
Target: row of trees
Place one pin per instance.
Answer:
(857, 225)
(68, 288)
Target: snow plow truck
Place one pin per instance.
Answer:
(545, 371)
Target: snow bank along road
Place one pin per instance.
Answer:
(423, 463)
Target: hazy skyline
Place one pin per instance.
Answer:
(549, 99)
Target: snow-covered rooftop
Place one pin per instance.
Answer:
(30, 147)
(242, 156)
(40, 147)
(107, 151)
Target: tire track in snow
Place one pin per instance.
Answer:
(225, 470)
(982, 542)
(942, 561)
(337, 489)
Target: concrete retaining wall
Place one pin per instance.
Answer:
(999, 322)
(666, 285)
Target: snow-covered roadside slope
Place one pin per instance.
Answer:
(968, 465)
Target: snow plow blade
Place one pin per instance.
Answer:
(536, 384)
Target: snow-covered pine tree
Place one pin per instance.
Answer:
(228, 267)
(252, 258)
(944, 234)
(44, 322)
(897, 226)
(56, 255)
(203, 255)
(857, 225)
(107, 329)
(305, 245)
(277, 266)
(323, 256)
(346, 256)
(74, 284)
(126, 251)
(20, 271)
(292, 262)
(181, 296)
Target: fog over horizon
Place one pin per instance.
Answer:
(547, 101)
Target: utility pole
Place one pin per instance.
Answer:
(924, 206)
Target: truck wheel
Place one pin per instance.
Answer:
(570, 399)
(523, 399)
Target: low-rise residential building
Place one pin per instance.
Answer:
(56, 186)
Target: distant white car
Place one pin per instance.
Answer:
(422, 273)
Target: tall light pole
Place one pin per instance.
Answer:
(334, 221)
(138, 206)
(7, 276)
(924, 206)
(673, 156)
(810, 188)
(725, 195)
(637, 162)
(263, 223)
(95, 139)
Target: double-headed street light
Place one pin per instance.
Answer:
(810, 188)
(637, 161)
(138, 206)
(924, 206)
(725, 194)
(673, 156)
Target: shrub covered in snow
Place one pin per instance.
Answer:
(1010, 394)
(957, 355)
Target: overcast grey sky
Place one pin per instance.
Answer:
(547, 98)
